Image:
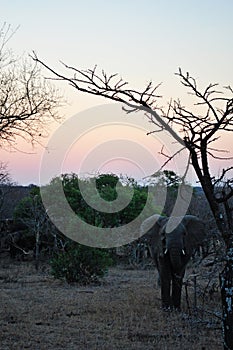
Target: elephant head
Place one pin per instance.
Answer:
(172, 242)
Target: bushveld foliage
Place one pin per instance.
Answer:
(80, 264)
(71, 260)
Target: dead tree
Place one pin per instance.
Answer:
(198, 131)
(27, 101)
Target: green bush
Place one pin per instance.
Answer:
(81, 264)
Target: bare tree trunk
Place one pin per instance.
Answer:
(226, 284)
(223, 218)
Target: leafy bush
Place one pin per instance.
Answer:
(81, 264)
(106, 186)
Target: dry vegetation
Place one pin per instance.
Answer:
(38, 312)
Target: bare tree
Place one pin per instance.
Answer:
(5, 178)
(32, 214)
(197, 133)
(27, 101)
(5, 183)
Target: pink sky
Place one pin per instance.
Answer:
(98, 150)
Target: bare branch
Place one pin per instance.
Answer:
(224, 172)
(109, 87)
(169, 158)
(27, 101)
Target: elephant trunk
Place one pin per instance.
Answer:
(176, 257)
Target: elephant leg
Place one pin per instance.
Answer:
(165, 279)
(177, 281)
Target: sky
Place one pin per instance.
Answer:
(140, 40)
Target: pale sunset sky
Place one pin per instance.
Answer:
(140, 40)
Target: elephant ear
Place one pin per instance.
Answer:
(195, 232)
(151, 230)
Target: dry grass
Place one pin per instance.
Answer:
(38, 312)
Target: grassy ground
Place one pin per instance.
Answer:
(38, 312)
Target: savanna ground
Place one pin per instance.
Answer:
(123, 312)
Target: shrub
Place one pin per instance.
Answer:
(81, 264)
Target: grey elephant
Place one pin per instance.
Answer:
(172, 242)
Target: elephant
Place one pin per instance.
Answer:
(172, 242)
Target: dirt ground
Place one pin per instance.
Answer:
(38, 312)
